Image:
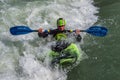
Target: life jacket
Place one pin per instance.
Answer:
(60, 36)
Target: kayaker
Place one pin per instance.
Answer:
(60, 29)
(62, 52)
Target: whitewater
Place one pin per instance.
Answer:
(24, 57)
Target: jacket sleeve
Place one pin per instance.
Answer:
(45, 33)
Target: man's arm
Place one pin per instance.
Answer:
(41, 33)
(78, 36)
(45, 33)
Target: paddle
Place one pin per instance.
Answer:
(19, 30)
(94, 30)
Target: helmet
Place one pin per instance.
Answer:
(61, 22)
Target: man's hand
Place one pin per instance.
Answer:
(77, 31)
(40, 30)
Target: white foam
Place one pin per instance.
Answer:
(19, 55)
(36, 70)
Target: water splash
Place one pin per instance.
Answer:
(20, 56)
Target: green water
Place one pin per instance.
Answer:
(104, 56)
(103, 52)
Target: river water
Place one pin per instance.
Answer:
(104, 56)
(24, 57)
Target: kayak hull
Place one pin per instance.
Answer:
(72, 50)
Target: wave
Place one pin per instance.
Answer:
(19, 57)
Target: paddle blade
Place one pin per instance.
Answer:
(97, 31)
(19, 30)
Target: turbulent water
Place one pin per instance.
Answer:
(25, 57)
(104, 56)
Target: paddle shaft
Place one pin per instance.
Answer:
(35, 30)
(94, 30)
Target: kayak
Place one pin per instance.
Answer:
(68, 56)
